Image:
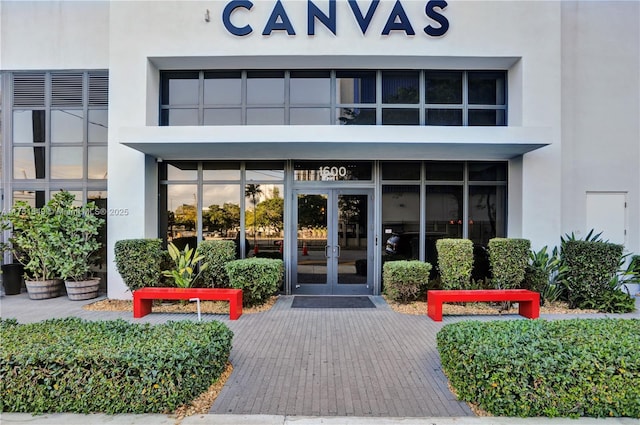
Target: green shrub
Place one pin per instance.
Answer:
(590, 267)
(259, 278)
(140, 262)
(543, 274)
(508, 259)
(455, 262)
(545, 368)
(217, 254)
(71, 365)
(405, 281)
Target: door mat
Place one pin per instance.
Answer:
(331, 302)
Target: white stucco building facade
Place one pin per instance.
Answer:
(522, 117)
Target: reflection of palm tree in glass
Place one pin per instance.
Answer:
(253, 191)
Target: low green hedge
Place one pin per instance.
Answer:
(216, 254)
(545, 368)
(140, 262)
(259, 278)
(509, 259)
(71, 365)
(405, 281)
(455, 262)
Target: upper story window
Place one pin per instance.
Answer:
(334, 97)
(59, 125)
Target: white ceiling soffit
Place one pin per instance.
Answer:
(334, 142)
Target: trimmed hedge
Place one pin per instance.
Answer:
(591, 266)
(71, 365)
(545, 368)
(140, 262)
(455, 262)
(216, 254)
(259, 278)
(404, 280)
(508, 259)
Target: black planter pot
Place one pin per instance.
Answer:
(12, 278)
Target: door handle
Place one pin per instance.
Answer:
(337, 251)
(326, 251)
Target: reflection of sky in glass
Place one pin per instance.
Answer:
(181, 194)
(24, 166)
(268, 192)
(265, 174)
(225, 91)
(98, 123)
(66, 163)
(66, 126)
(97, 162)
(310, 91)
(220, 194)
(265, 91)
(183, 91)
(22, 127)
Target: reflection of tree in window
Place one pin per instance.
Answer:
(253, 191)
(186, 216)
(311, 211)
(222, 219)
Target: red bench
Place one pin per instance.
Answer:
(529, 301)
(143, 298)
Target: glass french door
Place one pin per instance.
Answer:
(333, 237)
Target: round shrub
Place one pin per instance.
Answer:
(216, 254)
(140, 262)
(509, 259)
(259, 278)
(405, 281)
(455, 262)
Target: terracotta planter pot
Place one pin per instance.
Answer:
(43, 289)
(78, 290)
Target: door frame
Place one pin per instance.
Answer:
(332, 285)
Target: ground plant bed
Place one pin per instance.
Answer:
(162, 306)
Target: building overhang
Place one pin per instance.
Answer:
(335, 142)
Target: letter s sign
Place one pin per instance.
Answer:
(436, 16)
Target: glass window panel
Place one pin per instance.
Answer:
(264, 217)
(355, 87)
(67, 126)
(400, 87)
(400, 116)
(220, 211)
(223, 116)
(309, 88)
(487, 213)
(182, 217)
(487, 171)
(222, 88)
(444, 215)
(265, 88)
(443, 87)
(400, 222)
(444, 117)
(357, 116)
(265, 116)
(97, 162)
(186, 170)
(332, 170)
(29, 163)
(487, 87)
(99, 198)
(181, 116)
(486, 117)
(310, 116)
(265, 171)
(445, 171)
(34, 198)
(28, 126)
(221, 171)
(401, 171)
(98, 125)
(66, 163)
(183, 91)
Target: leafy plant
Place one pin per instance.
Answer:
(455, 262)
(404, 280)
(186, 263)
(140, 262)
(76, 366)
(509, 259)
(545, 368)
(216, 254)
(37, 234)
(78, 243)
(259, 278)
(544, 273)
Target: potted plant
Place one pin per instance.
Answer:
(77, 246)
(34, 240)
